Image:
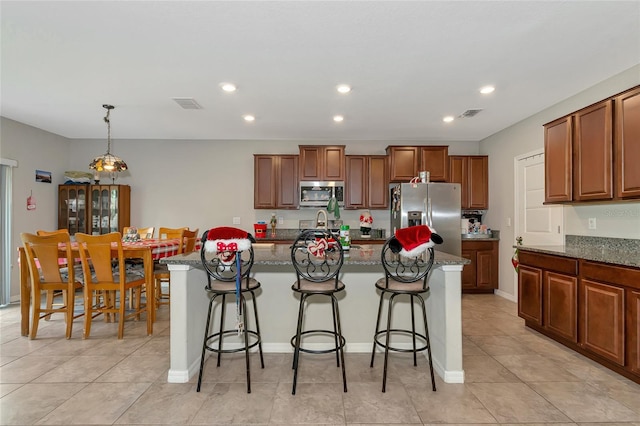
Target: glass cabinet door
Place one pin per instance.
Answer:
(72, 211)
(104, 209)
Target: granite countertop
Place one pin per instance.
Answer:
(270, 254)
(615, 251)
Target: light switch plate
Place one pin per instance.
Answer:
(592, 223)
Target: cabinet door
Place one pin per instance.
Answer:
(311, 163)
(264, 181)
(478, 182)
(593, 153)
(378, 182)
(633, 330)
(468, 276)
(333, 163)
(458, 170)
(356, 190)
(530, 294)
(558, 167)
(105, 209)
(72, 208)
(404, 161)
(435, 160)
(627, 144)
(602, 320)
(485, 271)
(287, 182)
(561, 305)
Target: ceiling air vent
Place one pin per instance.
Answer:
(187, 103)
(470, 113)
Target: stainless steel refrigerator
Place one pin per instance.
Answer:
(433, 204)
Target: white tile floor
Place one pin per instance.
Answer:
(513, 376)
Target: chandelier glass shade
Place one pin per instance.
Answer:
(108, 162)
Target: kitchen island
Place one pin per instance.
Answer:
(278, 306)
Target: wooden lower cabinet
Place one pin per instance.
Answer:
(481, 275)
(530, 294)
(561, 304)
(591, 307)
(633, 330)
(602, 320)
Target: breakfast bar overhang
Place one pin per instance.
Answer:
(277, 307)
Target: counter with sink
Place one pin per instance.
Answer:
(277, 305)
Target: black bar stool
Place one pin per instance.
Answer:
(406, 273)
(317, 258)
(227, 258)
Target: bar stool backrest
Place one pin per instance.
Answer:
(317, 256)
(222, 266)
(406, 269)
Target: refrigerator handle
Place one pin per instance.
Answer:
(429, 212)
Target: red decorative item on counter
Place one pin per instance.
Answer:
(260, 230)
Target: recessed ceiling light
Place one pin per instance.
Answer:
(343, 88)
(338, 118)
(448, 119)
(228, 87)
(249, 117)
(487, 89)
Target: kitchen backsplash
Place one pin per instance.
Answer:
(618, 244)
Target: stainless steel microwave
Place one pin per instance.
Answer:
(318, 194)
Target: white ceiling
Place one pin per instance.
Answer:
(410, 63)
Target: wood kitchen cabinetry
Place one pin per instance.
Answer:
(580, 150)
(548, 293)
(591, 307)
(407, 161)
(275, 183)
(627, 144)
(367, 178)
(472, 173)
(94, 209)
(481, 275)
(322, 162)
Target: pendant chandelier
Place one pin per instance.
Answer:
(108, 162)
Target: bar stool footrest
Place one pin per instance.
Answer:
(341, 342)
(383, 334)
(214, 338)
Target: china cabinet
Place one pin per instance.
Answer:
(94, 209)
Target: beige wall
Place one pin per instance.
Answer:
(613, 220)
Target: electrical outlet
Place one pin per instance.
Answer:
(592, 223)
(236, 220)
(280, 220)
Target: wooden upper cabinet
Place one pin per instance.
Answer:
(627, 144)
(275, 182)
(558, 165)
(593, 153)
(407, 161)
(322, 162)
(404, 163)
(367, 182)
(435, 160)
(472, 173)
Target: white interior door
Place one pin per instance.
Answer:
(536, 223)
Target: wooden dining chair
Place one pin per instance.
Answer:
(42, 254)
(98, 253)
(145, 233)
(161, 273)
(51, 294)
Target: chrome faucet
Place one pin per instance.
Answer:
(321, 224)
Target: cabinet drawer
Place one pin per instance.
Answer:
(629, 277)
(565, 265)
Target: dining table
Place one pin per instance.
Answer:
(149, 250)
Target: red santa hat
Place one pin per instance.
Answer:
(412, 241)
(226, 239)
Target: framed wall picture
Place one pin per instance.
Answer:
(43, 176)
